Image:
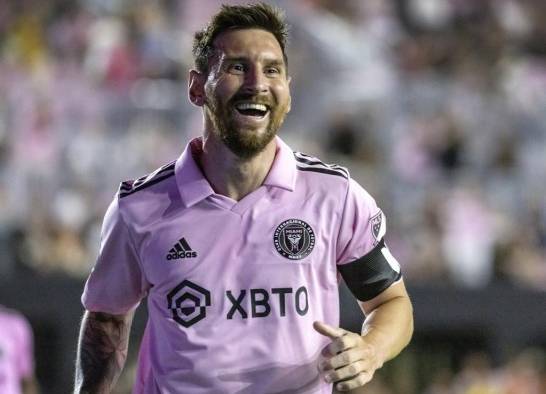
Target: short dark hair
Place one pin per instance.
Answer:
(257, 16)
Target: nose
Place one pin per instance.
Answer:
(255, 81)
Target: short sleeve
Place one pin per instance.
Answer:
(116, 284)
(364, 260)
(363, 225)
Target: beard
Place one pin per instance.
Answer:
(245, 144)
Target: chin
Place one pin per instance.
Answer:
(247, 148)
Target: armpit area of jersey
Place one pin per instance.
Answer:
(369, 275)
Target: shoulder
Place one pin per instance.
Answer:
(146, 198)
(10, 314)
(309, 164)
(14, 321)
(333, 179)
(147, 182)
(326, 183)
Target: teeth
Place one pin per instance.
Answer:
(258, 107)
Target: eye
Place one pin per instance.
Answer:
(236, 68)
(272, 70)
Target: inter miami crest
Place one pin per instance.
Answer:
(294, 239)
(378, 227)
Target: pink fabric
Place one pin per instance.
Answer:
(264, 346)
(16, 351)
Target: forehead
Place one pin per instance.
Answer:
(249, 43)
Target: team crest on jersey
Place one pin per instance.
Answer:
(294, 239)
(378, 226)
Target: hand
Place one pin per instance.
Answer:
(349, 361)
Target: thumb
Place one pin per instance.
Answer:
(328, 330)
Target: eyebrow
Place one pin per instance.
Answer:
(269, 62)
(275, 62)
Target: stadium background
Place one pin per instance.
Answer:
(438, 107)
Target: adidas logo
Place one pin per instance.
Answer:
(181, 250)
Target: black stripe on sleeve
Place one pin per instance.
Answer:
(126, 185)
(321, 170)
(144, 185)
(370, 275)
(313, 161)
(130, 187)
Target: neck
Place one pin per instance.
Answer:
(230, 175)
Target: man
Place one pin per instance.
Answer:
(16, 354)
(238, 245)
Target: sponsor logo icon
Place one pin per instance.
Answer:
(188, 303)
(294, 239)
(181, 250)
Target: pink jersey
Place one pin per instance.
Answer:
(16, 351)
(233, 287)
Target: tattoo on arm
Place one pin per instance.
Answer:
(102, 351)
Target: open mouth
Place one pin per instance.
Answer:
(252, 109)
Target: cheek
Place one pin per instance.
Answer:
(282, 93)
(225, 87)
(213, 88)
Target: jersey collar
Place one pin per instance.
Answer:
(192, 184)
(283, 171)
(194, 187)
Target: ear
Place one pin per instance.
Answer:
(196, 88)
(289, 95)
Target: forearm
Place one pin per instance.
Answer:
(102, 350)
(390, 326)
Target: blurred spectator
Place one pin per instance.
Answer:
(523, 374)
(16, 354)
(476, 376)
(441, 383)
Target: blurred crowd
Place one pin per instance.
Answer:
(438, 107)
(522, 374)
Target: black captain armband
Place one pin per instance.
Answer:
(369, 275)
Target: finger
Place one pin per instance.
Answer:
(358, 381)
(345, 373)
(328, 330)
(341, 344)
(341, 360)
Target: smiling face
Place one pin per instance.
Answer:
(246, 93)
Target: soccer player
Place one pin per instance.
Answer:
(239, 246)
(16, 354)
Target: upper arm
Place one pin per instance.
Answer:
(364, 260)
(397, 290)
